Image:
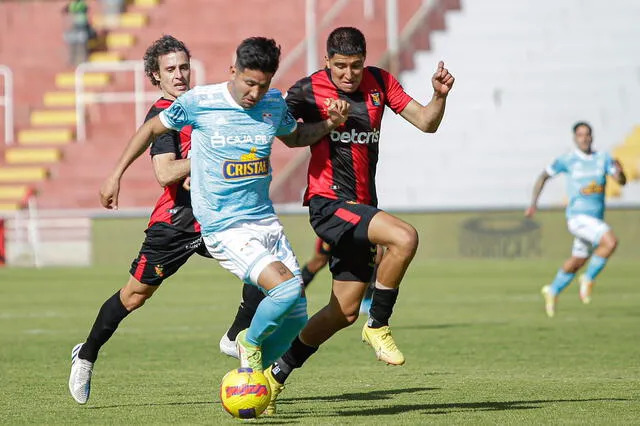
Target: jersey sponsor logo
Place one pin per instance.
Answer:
(592, 188)
(375, 98)
(355, 137)
(249, 165)
(218, 140)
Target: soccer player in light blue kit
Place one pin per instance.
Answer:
(234, 124)
(586, 172)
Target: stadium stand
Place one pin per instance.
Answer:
(67, 174)
(520, 86)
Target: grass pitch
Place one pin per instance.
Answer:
(479, 350)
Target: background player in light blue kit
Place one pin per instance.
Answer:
(586, 172)
(234, 124)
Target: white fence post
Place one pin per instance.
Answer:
(7, 102)
(138, 96)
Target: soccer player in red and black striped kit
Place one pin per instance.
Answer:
(173, 235)
(342, 200)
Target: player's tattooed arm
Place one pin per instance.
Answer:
(137, 145)
(537, 190)
(307, 134)
(428, 117)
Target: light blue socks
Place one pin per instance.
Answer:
(273, 309)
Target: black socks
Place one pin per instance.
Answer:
(251, 298)
(382, 307)
(297, 354)
(109, 316)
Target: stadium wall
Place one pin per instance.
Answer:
(444, 235)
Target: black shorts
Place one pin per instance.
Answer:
(164, 251)
(322, 248)
(344, 225)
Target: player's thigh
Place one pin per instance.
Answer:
(280, 247)
(388, 230)
(163, 252)
(587, 228)
(246, 251)
(581, 248)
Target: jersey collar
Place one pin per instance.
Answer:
(584, 156)
(229, 98)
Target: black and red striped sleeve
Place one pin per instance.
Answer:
(397, 99)
(168, 142)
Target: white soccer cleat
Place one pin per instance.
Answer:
(80, 377)
(586, 287)
(229, 347)
(549, 301)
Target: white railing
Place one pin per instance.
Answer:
(39, 238)
(138, 96)
(6, 101)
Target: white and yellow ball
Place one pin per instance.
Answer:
(245, 393)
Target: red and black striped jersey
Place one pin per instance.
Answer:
(343, 164)
(174, 205)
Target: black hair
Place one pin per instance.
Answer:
(347, 41)
(164, 45)
(258, 53)
(580, 124)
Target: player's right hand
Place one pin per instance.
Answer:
(109, 193)
(530, 211)
(338, 110)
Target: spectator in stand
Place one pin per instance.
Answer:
(79, 32)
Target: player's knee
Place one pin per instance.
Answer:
(407, 241)
(609, 242)
(133, 301)
(287, 292)
(574, 264)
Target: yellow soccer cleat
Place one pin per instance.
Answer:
(586, 287)
(250, 355)
(382, 342)
(276, 388)
(549, 301)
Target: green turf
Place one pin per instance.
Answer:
(479, 351)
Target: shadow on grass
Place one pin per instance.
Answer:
(445, 326)
(375, 395)
(447, 408)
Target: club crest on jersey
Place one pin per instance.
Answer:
(248, 166)
(375, 97)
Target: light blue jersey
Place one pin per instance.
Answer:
(586, 181)
(230, 149)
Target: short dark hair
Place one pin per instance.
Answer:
(164, 45)
(258, 53)
(347, 41)
(580, 124)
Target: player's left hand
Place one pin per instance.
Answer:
(187, 183)
(617, 165)
(109, 192)
(338, 110)
(442, 81)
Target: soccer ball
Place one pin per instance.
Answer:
(245, 393)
